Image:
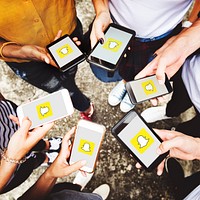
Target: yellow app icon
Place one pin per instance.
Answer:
(142, 141)
(86, 147)
(44, 110)
(64, 51)
(112, 44)
(149, 87)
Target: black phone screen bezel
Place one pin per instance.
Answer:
(104, 64)
(132, 95)
(121, 124)
(70, 64)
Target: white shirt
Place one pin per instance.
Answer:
(149, 18)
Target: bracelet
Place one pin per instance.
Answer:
(10, 160)
(4, 44)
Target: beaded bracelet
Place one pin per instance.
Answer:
(5, 44)
(10, 160)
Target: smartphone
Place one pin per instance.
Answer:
(65, 53)
(86, 144)
(109, 54)
(140, 140)
(46, 109)
(147, 88)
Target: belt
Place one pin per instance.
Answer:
(153, 38)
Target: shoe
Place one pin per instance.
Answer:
(126, 104)
(82, 180)
(103, 191)
(154, 114)
(175, 170)
(117, 93)
(51, 157)
(55, 144)
(87, 116)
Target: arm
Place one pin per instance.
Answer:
(19, 145)
(59, 168)
(101, 22)
(173, 53)
(11, 51)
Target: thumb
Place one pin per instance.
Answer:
(76, 166)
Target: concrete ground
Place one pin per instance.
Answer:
(115, 167)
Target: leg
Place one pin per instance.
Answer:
(50, 79)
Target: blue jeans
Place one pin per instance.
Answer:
(104, 75)
(73, 195)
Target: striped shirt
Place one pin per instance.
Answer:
(7, 126)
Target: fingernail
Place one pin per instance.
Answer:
(154, 55)
(101, 40)
(83, 162)
(159, 173)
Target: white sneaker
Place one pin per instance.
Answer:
(154, 114)
(126, 104)
(82, 180)
(103, 191)
(117, 93)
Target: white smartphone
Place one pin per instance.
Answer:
(87, 143)
(47, 109)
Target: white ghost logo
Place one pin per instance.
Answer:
(142, 141)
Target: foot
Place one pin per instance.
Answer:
(88, 113)
(82, 180)
(103, 191)
(175, 170)
(154, 114)
(126, 104)
(50, 157)
(55, 144)
(117, 93)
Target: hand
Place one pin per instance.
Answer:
(24, 140)
(169, 58)
(179, 145)
(100, 24)
(60, 167)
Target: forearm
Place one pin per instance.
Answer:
(6, 171)
(190, 38)
(41, 188)
(198, 148)
(100, 6)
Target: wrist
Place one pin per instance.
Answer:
(198, 149)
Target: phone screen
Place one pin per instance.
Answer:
(115, 42)
(64, 51)
(139, 139)
(86, 146)
(47, 109)
(147, 88)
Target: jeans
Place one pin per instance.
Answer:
(50, 79)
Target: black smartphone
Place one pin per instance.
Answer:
(147, 88)
(139, 139)
(65, 53)
(109, 54)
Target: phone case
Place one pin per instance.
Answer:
(122, 124)
(113, 45)
(61, 50)
(87, 143)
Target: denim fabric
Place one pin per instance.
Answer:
(104, 75)
(73, 195)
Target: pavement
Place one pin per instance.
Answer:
(114, 167)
